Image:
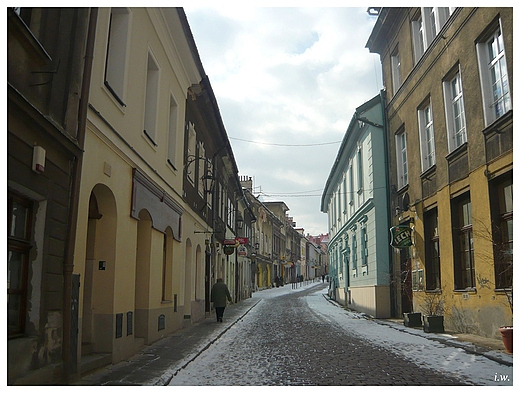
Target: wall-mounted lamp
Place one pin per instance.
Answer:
(240, 220)
(208, 182)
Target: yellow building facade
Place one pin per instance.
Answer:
(448, 74)
(138, 256)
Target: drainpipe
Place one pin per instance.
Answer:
(389, 198)
(68, 266)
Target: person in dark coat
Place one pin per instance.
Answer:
(219, 294)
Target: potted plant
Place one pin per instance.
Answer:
(507, 331)
(434, 311)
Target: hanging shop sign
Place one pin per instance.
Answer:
(242, 240)
(228, 250)
(242, 251)
(401, 236)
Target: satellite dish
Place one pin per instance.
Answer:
(406, 202)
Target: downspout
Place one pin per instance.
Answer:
(68, 266)
(389, 198)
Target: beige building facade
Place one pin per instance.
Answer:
(139, 261)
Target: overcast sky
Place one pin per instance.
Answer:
(286, 77)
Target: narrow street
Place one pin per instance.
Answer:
(301, 338)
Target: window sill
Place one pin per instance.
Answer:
(503, 290)
(429, 172)
(459, 151)
(499, 125)
(171, 165)
(471, 290)
(403, 189)
(150, 139)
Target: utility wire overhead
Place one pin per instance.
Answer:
(283, 144)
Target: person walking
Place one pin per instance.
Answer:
(219, 294)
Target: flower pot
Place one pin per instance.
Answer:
(412, 319)
(433, 323)
(507, 337)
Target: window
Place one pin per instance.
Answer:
(455, 113)
(431, 245)
(351, 187)
(364, 246)
(427, 137)
(116, 52)
(425, 27)
(502, 215)
(402, 160)
(19, 213)
(150, 106)
(344, 193)
(494, 77)
(360, 168)
(418, 37)
(354, 251)
(172, 132)
(463, 243)
(434, 20)
(396, 70)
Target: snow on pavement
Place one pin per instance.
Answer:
(473, 368)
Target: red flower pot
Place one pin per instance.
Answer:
(507, 337)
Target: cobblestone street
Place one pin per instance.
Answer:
(291, 339)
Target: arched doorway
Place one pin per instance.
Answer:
(98, 283)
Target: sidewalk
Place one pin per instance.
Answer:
(157, 363)
(490, 348)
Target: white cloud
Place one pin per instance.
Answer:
(287, 76)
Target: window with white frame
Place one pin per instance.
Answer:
(455, 113)
(152, 91)
(493, 75)
(172, 131)
(354, 251)
(364, 246)
(434, 20)
(425, 27)
(351, 188)
(115, 67)
(402, 159)
(338, 202)
(360, 193)
(427, 138)
(344, 193)
(418, 37)
(396, 70)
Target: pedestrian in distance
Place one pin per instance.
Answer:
(219, 295)
(323, 278)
